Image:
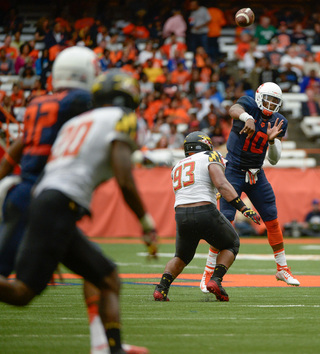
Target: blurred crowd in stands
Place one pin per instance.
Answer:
(174, 50)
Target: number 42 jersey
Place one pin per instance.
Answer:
(191, 180)
(80, 157)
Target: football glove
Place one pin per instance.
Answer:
(251, 214)
(149, 235)
(252, 175)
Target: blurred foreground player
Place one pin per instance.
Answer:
(257, 126)
(73, 74)
(196, 180)
(90, 149)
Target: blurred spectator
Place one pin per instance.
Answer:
(199, 19)
(287, 79)
(264, 31)
(99, 50)
(54, 36)
(316, 36)
(311, 81)
(42, 29)
(152, 71)
(155, 30)
(43, 66)
(250, 57)
(7, 105)
(311, 225)
(282, 36)
(196, 88)
(172, 46)
(215, 25)
(176, 25)
(105, 61)
(274, 53)
(310, 64)
(297, 35)
(268, 74)
(23, 58)
(180, 76)
(12, 21)
(83, 22)
(6, 64)
(11, 52)
(175, 139)
(145, 85)
(103, 34)
(27, 78)
(17, 96)
(138, 30)
(37, 90)
(16, 41)
(244, 44)
(178, 58)
(311, 106)
(217, 83)
(292, 57)
(146, 53)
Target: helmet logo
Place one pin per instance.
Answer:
(205, 140)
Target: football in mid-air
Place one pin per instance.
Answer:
(244, 17)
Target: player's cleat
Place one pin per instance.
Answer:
(204, 281)
(214, 286)
(284, 274)
(160, 293)
(133, 349)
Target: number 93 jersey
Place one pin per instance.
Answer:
(246, 153)
(191, 180)
(80, 157)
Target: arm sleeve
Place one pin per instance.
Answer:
(274, 152)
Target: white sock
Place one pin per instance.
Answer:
(98, 336)
(280, 258)
(211, 260)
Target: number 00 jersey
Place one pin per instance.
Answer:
(191, 179)
(80, 156)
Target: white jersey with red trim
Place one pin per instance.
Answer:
(191, 179)
(80, 157)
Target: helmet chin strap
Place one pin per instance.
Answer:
(267, 112)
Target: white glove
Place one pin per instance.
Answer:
(252, 175)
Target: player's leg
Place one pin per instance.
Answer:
(187, 240)
(98, 338)
(224, 237)
(262, 197)
(86, 259)
(39, 253)
(12, 228)
(236, 178)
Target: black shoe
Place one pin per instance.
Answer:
(215, 287)
(160, 293)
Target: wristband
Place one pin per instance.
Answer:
(237, 203)
(147, 222)
(245, 116)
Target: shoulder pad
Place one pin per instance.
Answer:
(214, 156)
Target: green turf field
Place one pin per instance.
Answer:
(256, 320)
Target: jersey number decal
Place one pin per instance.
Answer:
(70, 141)
(37, 118)
(253, 143)
(184, 175)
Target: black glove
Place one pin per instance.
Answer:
(250, 214)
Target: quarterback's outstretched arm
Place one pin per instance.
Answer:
(238, 112)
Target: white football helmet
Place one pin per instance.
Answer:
(75, 67)
(269, 98)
